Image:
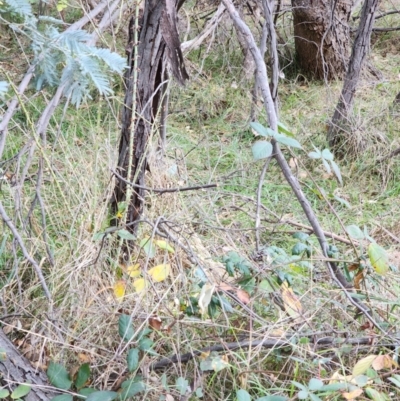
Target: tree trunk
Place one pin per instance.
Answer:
(358, 55)
(322, 38)
(157, 33)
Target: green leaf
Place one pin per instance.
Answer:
(375, 395)
(284, 130)
(301, 236)
(299, 248)
(272, 398)
(102, 396)
(379, 258)
(87, 391)
(336, 170)
(314, 397)
(148, 247)
(4, 393)
(260, 129)
(326, 165)
(181, 385)
(63, 397)
(58, 376)
(334, 387)
(355, 232)
(285, 140)
(125, 327)
(303, 395)
(83, 376)
(130, 388)
(145, 344)
(261, 150)
(314, 155)
(98, 236)
(125, 234)
(327, 155)
(21, 391)
(242, 395)
(299, 385)
(133, 359)
(315, 384)
(395, 381)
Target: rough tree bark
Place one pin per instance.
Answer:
(17, 369)
(158, 43)
(322, 38)
(360, 49)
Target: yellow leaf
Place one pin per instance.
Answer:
(160, 272)
(352, 394)
(134, 270)
(119, 290)
(119, 215)
(363, 365)
(292, 303)
(164, 245)
(140, 284)
(379, 258)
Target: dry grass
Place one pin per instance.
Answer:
(208, 142)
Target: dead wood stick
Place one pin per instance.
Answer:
(265, 343)
(163, 190)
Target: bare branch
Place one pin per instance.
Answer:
(9, 223)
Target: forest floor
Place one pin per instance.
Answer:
(282, 291)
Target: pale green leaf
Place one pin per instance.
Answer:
(337, 172)
(363, 365)
(375, 395)
(4, 393)
(148, 247)
(21, 391)
(285, 140)
(327, 155)
(315, 384)
(125, 234)
(261, 150)
(355, 232)
(182, 385)
(242, 395)
(272, 398)
(314, 155)
(260, 129)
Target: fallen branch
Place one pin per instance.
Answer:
(265, 343)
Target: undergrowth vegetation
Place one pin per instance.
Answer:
(200, 313)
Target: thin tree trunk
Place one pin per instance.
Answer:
(358, 55)
(158, 36)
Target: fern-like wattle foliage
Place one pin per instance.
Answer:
(66, 58)
(21, 7)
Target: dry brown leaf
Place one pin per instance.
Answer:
(383, 362)
(155, 323)
(243, 296)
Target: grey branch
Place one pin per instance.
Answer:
(9, 223)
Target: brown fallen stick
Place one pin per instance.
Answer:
(265, 343)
